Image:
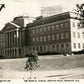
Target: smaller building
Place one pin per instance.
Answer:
(51, 10)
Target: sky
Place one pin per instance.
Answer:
(30, 7)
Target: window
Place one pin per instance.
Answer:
(67, 45)
(40, 29)
(33, 31)
(74, 34)
(74, 45)
(61, 25)
(73, 24)
(62, 35)
(33, 39)
(53, 37)
(33, 48)
(79, 45)
(41, 39)
(46, 46)
(57, 26)
(53, 27)
(66, 25)
(78, 34)
(37, 48)
(83, 34)
(53, 46)
(41, 48)
(44, 29)
(67, 35)
(57, 46)
(37, 39)
(44, 38)
(48, 37)
(57, 36)
(48, 28)
(62, 45)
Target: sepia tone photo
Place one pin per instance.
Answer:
(41, 39)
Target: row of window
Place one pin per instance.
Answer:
(49, 28)
(47, 47)
(51, 37)
(78, 45)
(12, 52)
(77, 34)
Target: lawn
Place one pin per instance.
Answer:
(52, 62)
(51, 67)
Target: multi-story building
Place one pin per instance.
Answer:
(14, 32)
(59, 33)
(55, 34)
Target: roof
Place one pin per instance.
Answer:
(53, 18)
(14, 24)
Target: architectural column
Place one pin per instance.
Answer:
(13, 38)
(9, 39)
(5, 40)
(20, 39)
(17, 42)
(17, 37)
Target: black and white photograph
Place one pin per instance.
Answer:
(42, 39)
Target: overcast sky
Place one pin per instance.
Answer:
(30, 7)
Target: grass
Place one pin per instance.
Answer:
(52, 62)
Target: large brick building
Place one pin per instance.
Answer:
(59, 33)
(55, 34)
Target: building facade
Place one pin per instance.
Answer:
(55, 34)
(14, 32)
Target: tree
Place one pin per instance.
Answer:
(32, 63)
(80, 12)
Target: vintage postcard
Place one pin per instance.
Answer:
(42, 41)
